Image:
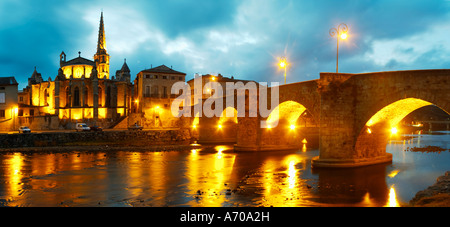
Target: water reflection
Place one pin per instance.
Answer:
(208, 174)
(215, 176)
(392, 201)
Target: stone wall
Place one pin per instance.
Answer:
(124, 138)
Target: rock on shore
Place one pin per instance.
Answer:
(437, 195)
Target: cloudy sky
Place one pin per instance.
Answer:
(240, 38)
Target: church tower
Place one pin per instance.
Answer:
(101, 58)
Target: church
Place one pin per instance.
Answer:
(83, 91)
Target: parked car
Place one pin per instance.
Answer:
(82, 127)
(96, 128)
(24, 129)
(135, 127)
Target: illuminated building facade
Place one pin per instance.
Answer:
(8, 103)
(82, 91)
(153, 98)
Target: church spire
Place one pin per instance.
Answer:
(101, 44)
(101, 58)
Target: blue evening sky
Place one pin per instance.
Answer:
(240, 38)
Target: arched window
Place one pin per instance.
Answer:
(100, 96)
(86, 96)
(45, 97)
(76, 97)
(108, 97)
(67, 97)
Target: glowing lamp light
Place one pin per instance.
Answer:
(394, 130)
(344, 36)
(194, 126)
(292, 127)
(304, 141)
(282, 63)
(213, 78)
(369, 131)
(220, 126)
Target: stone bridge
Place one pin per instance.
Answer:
(352, 114)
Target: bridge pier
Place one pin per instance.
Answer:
(339, 130)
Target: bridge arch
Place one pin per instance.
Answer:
(286, 126)
(218, 129)
(357, 111)
(384, 124)
(229, 116)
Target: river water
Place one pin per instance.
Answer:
(215, 176)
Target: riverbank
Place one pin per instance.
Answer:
(437, 195)
(124, 138)
(72, 148)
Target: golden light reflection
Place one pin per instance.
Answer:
(217, 170)
(304, 148)
(283, 187)
(393, 173)
(292, 173)
(15, 175)
(367, 201)
(392, 200)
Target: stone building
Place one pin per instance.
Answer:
(82, 91)
(153, 98)
(8, 104)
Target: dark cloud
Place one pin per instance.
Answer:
(232, 37)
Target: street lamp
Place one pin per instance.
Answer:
(340, 33)
(283, 64)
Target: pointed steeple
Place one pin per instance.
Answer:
(101, 44)
(101, 58)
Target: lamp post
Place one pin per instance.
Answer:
(283, 64)
(340, 33)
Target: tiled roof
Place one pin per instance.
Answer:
(163, 69)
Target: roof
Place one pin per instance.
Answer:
(78, 61)
(8, 81)
(163, 69)
(125, 67)
(221, 78)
